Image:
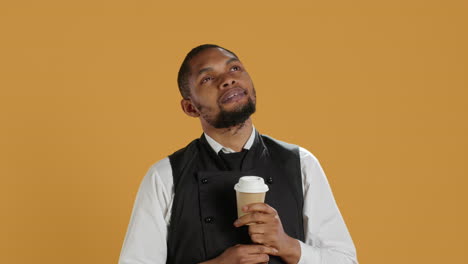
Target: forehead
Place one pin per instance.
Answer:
(208, 58)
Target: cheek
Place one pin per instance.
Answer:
(245, 79)
(208, 101)
(204, 93)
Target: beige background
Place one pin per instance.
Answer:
(377, 90)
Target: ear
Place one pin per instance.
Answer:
(189, 108)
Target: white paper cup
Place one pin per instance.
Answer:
(249, 189)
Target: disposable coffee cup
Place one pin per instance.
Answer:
(249, 189)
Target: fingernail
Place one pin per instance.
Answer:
(245, 208)
(236, 222)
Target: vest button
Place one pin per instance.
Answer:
(209, 219)
(270, 180)
(204, 181)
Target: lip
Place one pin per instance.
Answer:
(231, 92)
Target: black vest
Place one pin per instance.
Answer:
(204, 207)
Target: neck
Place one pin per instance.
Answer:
(233, 137)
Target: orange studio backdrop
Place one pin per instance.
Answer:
(377, 90)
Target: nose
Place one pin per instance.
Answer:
(228, 82)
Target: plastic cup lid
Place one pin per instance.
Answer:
(251, 184)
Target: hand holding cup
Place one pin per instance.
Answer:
(264, 223)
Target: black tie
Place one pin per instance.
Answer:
(233, 161)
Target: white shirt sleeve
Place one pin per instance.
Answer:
(145, 242)
(327, 240)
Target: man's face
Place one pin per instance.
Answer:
(221, 88)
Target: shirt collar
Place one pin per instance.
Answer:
(217, 147)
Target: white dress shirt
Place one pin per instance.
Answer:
(327, 240)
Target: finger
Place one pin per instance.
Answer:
(258, 238)
(255, 259)
(261, 249)
(252, 218)
(257, 229)
(259, 207)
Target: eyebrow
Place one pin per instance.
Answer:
(210, 68)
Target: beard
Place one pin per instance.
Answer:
(226, 119)
(236, 117)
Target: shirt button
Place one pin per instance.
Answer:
(270, 180)
(204, 181)
(209, 219)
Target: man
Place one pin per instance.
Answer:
(185, 210)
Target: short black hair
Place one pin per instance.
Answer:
(184, 71)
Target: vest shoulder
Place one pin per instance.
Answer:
(272, 142)
(303, 153)
(183, 157)
(192, 146)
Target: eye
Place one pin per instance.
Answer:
(236, 68)
(206, 79)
